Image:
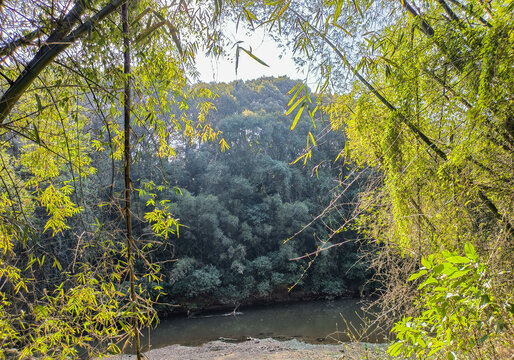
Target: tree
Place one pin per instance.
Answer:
(67, 271)
(423, 98)
(239, 207)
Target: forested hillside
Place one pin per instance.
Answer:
(424, 93)
(238, 207)
(127, 187)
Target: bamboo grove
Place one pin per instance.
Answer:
(77, 80)
(422, 91)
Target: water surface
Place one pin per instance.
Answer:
(312, 322)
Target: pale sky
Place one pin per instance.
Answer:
(262, 46)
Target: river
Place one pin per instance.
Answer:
(311, 322)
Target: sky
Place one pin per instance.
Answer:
(224, 70)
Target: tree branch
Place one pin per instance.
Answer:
(469, 11)
(450, 12)
(56, 43)
(11, 47)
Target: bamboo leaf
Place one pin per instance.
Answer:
(294, 106)
(337, 13)
(293, 89)
(341, 154)
(297, 117)
(307, 95)
(311, 115)
(254, 57)
(284, 8)
(249, 15)
(273, 2)
(312, 139)
(37, 139)
(307, 157)
(295, 94)
(57, 264)
(298, 159)
(355, 3)
(38, 100)
(342, 28)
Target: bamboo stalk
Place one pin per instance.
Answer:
(128, 183)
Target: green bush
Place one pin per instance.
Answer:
(202, 281)
(460, 315)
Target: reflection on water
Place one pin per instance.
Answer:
(318, 321)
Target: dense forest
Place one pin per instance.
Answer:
(127, 187)
(238, 208)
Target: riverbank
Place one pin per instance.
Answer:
(202, 306)
(265, 349)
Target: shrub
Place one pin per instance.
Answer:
(460, 315)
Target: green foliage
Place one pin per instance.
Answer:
(64, 259)
(163, 224)
(59, 207)
(237, 208)
(459, 312)
(201, 282)
(7, 332)
(424, 97)
(69, 319)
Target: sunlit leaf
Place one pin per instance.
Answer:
(458, 260)
(254, 57)
(297, 117)
(417, 275)
(312, 139)
(295, 105)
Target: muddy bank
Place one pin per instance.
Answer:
(264, 349)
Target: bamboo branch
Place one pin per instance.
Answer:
(412, 127)
(450, 12)
(470, 11)
(425, 26)
(11, 47)
(429, 31)
(56, 43)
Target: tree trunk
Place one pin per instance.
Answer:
(56, 43)
(128, 183)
